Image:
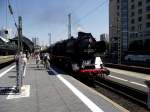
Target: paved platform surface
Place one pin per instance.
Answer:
(53, 91)
(130, 73)
(132, 79)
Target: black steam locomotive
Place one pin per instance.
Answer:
(78, 55)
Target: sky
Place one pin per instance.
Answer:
(41, 17)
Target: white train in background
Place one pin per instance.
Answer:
(141, 58)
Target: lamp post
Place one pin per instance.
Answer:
(19, 78)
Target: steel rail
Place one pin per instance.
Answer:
(131, 93)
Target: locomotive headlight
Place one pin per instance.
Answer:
(83, 65)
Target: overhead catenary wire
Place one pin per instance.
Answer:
(87, 14)
(64, 30)
(72, 12)
(90, 12)
(6, 12)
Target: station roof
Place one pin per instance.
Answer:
(3, 39)
(26, 43)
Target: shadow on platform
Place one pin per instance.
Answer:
(59, 71)
(12, 71)
(33, 67)
(50, 72)
(7, 90)
(39, 69)
(12, 76)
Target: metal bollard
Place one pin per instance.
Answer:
(147, 82)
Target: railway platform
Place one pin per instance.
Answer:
(52, 91)
(129, 78)
(143, 76)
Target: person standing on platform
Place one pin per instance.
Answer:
(28, 55)
(46, 61)
(24, 60)
(38, 60)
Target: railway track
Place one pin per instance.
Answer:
(6, 60)
(135, 95)
(132, 99)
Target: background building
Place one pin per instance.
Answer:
(35, 41)
(139, 24)
(129, 25)
(104, 37)
(113, 26)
